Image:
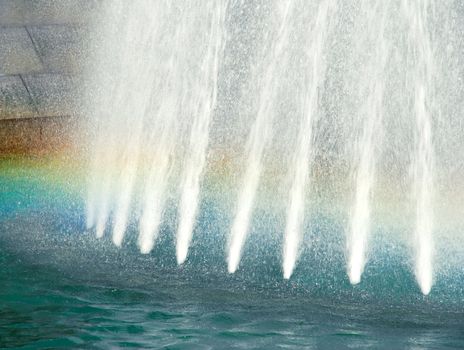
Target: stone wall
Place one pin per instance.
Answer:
(42, 48)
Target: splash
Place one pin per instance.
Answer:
(202, 106)
(259, 137)
(372, 90)
(301, 159)
(417, 13)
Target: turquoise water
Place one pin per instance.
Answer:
(63, 288)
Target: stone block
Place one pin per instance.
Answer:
(15, 101)
(11, 12)
(36, 135)
(53, 94)
(59, 132)
(61, 47)
(38, 12)
(19, 135)
(17, 52)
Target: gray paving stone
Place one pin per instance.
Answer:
(36, 12)
(15, 101)
(53, 94)
(17, 52)
(61, 47)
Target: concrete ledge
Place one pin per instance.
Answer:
(52, 94)
(17, 52)
(60, 47)
(40, 59)
(38, 95)
(15, 100)
(37, 135)
(42, 51)
(33, 12)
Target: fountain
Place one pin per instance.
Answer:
(231, 174)
(307, 97)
